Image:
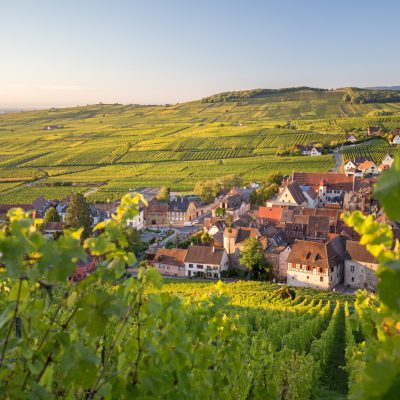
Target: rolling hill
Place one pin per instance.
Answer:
(121, 147)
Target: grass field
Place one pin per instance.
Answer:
(130, 146)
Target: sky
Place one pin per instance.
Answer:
(76, 52)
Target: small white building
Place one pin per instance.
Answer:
(396, 140)
(387, 160)
(315, 152)
(350, 166)
(360, 267)
(137, 222)
(351, 138)
(205, 262)
(368, 168)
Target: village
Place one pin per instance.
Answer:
(298, 229)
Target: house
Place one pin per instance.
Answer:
(396, 140)
(311, 196)
(234, 205)
(268, 215)
(315, 151)
(156, 213)
(83, 269)
(137, 222)
(383, 167)
(388, 160)
(351, 138)
(235, 238)
(318, 265)
(368, 168)
(61, 209)
(183, 210)
(329, 186)
(170, 262)
(213, 225)
(293, 194)
(106, 210)
(205, 262)
(359, 267)
(373, 130)
(349, 166)
(309, 150)
(52, 229)
(353, 201)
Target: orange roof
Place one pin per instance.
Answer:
(335, 181)
(272, 214)
(365, 165)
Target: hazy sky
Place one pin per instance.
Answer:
(69, 52)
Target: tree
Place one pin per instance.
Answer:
(220, 212)
(229, 221)
(275, 177)
(206, 191)
(134, 241)
(253, 258)
(205, 238)
(78, 214)
(51, 215)
(163, 194)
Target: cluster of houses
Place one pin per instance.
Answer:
(363, 167)
(300, 230)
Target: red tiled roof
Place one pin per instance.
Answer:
(171, 256)
(272, 214)
(357, 252)
(335, 181)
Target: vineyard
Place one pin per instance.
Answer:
(112, 335)
(374, 150)
(133, 146)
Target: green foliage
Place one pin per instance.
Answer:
(248, 94)
(388, 190)
(134, 241)
(78, 214)
(253, 258)
(376, 358)
(51, 215)
(163, 194)
(357, 95)
(209, 189)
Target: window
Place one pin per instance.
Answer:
(352, 279)
(190, 265)
(352, 268)
(168, 267)
(308, 277)
(297, 265)
(320, 270)
(321, 279)
(200, 266)
(289, 265)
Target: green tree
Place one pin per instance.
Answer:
(220, 212)
(135, 244)
(275, 177)
(253, 258)
(163, 194)
(205, 238)
(206, 191)
(51, 215)
(78, 214)
(229, 221)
